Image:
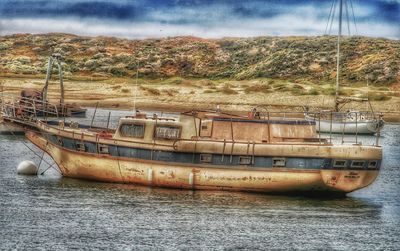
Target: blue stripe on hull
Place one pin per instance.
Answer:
(194, 158)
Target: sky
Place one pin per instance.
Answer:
(201, 18)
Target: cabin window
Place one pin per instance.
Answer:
(80, 146)
(167, 132)
(132, 130)
(340, 163)
(372, 164)
(103, 149)
(244, 160)
(278, 162)
(204, 127)
(205, 158)
(357, 164)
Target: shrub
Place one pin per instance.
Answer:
(150, 90)
(118, 72)
(313, 91)
(228, 90)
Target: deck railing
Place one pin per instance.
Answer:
(28, 111)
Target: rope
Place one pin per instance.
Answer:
(38, 155)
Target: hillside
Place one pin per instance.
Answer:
(292, 58)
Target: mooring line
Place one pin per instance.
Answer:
(38, 155)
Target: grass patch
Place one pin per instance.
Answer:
(313, 91)
(170, 92)
(125, 90)
(206, 82)
(328, 91)
(258, 88)
(297, 90)
(208, 91)
(378, 97)
(152, 91)
(227, 89)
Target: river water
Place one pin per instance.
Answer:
(49, 212)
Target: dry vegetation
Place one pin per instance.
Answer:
(189, 72)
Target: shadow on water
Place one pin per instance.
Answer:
(127, 195)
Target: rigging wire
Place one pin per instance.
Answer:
(333, 16)
(329, 17)
(354, 17)
(347, 16)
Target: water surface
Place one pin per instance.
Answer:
(52, 212)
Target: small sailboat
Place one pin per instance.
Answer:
(352, 121)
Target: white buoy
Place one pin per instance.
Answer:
(27, 167)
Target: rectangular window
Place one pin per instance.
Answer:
(205, 158)
(132, 130)
(278, 162)
(167, 132)
(372, 164)
(357, 164)
(244, 160)
(80, 147)
(103, 149)
(339, 163)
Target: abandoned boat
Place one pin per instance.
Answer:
(210, 150)
(33, 102)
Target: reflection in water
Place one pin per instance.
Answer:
(52, 212)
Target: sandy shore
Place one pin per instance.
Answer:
(157, 95)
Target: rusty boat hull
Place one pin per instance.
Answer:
(106, 168)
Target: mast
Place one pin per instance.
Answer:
(338, 56)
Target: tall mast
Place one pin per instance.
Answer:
(338, 56)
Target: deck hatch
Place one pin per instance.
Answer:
(132, 130)
(278, 162)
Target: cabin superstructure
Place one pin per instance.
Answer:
(203, 125)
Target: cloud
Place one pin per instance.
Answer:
(205, 18)
(277, 26)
